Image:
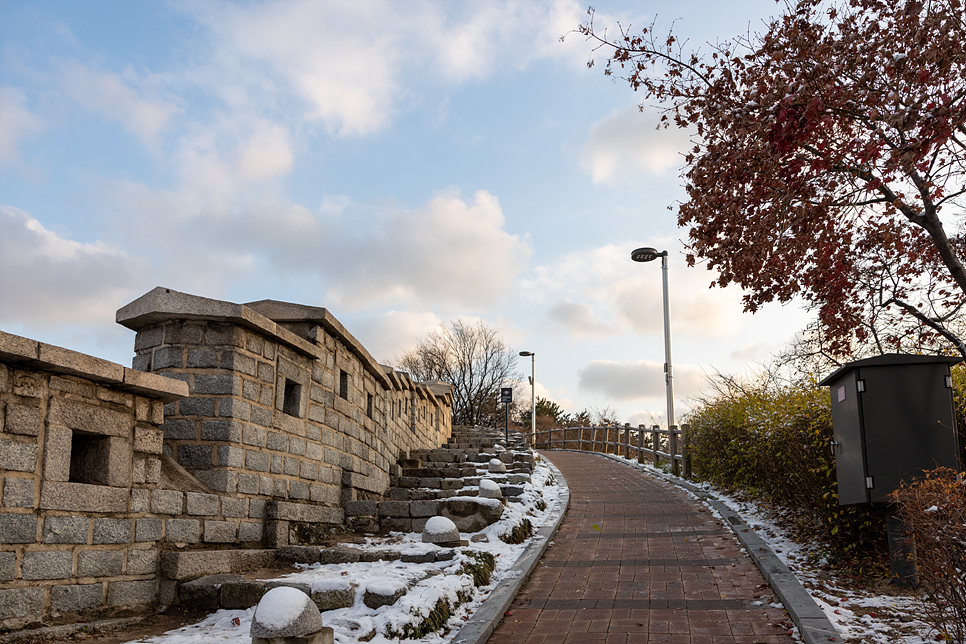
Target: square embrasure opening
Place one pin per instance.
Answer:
(344, 385)
(89, 458)
(292, 398)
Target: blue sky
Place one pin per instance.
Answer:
(399, 163)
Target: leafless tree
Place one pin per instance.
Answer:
(475, 360)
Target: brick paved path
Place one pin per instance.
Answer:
(637, 561)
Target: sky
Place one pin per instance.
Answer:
(402, 164)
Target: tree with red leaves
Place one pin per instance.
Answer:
(829, 154)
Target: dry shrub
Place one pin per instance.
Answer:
(934, 513)
(959, 405)
(520, 533)
(772, 442)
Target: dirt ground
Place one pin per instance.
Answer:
(150, 626)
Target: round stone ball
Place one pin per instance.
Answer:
(285, 612)
(440, 530)
(490, 490)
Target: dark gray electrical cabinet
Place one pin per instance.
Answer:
(892, 418)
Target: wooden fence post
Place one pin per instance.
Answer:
(673, 450)
(686, 451)
(640, 444)
(627, 440)
(655, 442)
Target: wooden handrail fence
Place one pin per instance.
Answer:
(654, 444)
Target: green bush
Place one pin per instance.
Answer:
(772, 442)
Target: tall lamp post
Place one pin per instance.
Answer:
(533, 395)
(649, 255)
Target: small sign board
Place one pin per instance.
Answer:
(506, 394)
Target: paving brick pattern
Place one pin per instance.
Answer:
(637, 561)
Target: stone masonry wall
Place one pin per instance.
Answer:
(260, 423)
(287, 411)
(80, 462)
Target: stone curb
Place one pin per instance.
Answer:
(813, 625)
(487, 617)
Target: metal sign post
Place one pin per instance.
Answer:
(506, 397)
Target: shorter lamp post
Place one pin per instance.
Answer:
(649, 255)
(533, 395)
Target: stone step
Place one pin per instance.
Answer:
(235, 591)
(439, 472)
(423, 477)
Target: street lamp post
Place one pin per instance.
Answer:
(533, 395)
(649, 255)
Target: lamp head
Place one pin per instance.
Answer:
(526, 354)
(647, 254)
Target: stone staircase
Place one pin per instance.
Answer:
(427, 477)
(425, 481)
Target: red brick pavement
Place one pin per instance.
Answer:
(637, 561)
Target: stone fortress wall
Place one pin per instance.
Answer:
(80, 459)
(241, 426)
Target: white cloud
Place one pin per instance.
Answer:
(627, 144)
(110, 96)
(624, 381)
(577, 319)
(757, 352)
(391, 334)
(47, 280)
(449, 251)
(265, 154)
(232, 159)
(16, 123)
(601, 292)
(649, 418)
(337, 59)
(523, 394)
(695, 308)
(350, 65)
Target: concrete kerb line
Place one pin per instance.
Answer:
(487, 617)
(813, 625)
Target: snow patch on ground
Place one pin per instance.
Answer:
(427, 583)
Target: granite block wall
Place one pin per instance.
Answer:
(285, 406)
(240, 426)
(80, 454)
